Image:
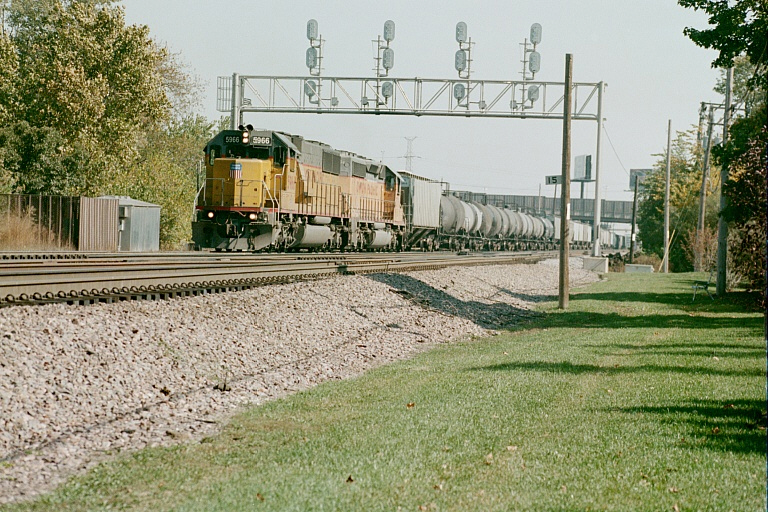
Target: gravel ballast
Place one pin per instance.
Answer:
(79, 384)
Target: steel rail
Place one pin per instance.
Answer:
(92, 281)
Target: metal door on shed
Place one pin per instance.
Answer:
(141, 228)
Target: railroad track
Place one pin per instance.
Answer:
(106, 278)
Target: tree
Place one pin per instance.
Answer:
(739, 27)
(746, 193)
(9, 65)
(685, 182)
(90, 106)
(166, 174)
(86, 76)
(744, 93)
(8, 71)
(166, 169)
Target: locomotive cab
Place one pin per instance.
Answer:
(240, 169)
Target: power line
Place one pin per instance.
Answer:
(614, 151)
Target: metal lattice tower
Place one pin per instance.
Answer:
(409, 156)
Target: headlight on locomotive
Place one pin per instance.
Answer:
(252, 216)
(210, 215)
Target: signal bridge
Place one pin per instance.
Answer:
(403, 96)
(384, 95)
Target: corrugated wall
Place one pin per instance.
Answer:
(425, 197)
(98, 224)
(141, 228)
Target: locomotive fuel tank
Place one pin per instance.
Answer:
(379, 239)
(311, 236)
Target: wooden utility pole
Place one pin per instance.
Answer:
(565, 204)
(722, 226)
(703, 193)
(665, 262)
(634, 217)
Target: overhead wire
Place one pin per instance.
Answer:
(614, 150)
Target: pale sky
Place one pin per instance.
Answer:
(652, 71)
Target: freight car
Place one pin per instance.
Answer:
(268, 190)
(437, 219)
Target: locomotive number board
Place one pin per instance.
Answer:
(261, 139)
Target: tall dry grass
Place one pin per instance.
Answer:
(20, 232)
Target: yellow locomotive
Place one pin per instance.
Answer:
(267, 190)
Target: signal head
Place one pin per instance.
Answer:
(389, 31)
(461, 32)
(461, 60)
(533, 93)
(311, 60)
(387, 89)
(536, 33)
(388, 59)
(312, 30)
(534, 62)
(459, 91)
(310, 88)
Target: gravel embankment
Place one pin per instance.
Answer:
(80, 384)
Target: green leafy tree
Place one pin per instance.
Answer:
(166, 174)
(746, 95)
(91, 106)
(739, 32)
(85, 75)
(685, 183)
(8, 72)
(166, 169)
(738, 28)
(746, 191)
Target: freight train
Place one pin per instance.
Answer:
(272, 191)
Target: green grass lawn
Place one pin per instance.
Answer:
(632, 399)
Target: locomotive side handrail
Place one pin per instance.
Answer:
(264, 189)
(327, 200)
(375, 210)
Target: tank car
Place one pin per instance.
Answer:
(268, 190)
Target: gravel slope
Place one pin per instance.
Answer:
(80, 384)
